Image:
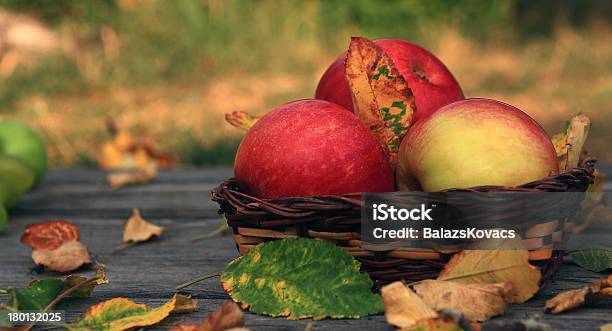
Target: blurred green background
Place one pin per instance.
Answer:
(169, 70)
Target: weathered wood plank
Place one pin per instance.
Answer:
(179, 201)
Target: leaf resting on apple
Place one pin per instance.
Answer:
(381, 96)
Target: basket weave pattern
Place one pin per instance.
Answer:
(337, 219)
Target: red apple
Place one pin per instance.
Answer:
(311, 147)
(474, 142)
(432, 84)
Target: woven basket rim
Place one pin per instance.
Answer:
(561, 182)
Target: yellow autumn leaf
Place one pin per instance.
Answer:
(124, 151)
(382, 98)
(403, 307)
(137, 229)
(509, 262)
(121, 314)
(241, 120)
(477, 302)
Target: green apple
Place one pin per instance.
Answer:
(474, 142)
(21, 141)
(16, 177)
(3, 217)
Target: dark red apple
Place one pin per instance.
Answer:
(431, 82)
(311, 147)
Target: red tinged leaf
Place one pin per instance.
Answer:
(49, 235)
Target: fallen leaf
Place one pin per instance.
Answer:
(403, 307)
(382, 98)
(50, 234)
(41, 292)
(569, 143)
(490, 266)
(124, 151)
(117, 180)
(121, 314)
(595, 259)
(44, 294)
(185, 304)
(598, 290)
(228, 317)
(138, 230)
(477, 302)
(328, 283)
(241, 120)
(85, 291)
(56, 245)
(69, 256)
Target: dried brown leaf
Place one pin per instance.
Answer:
(185, 304)
(241, 120)
(119, 179)
(228, 317)
(381, 97)
(124, 151)
(569, 144)
(598, 290)
(477, 302)
(490, 266)
(69, 256)
(403, 307)
(138, 230)
(50, 234)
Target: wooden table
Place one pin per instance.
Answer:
(179, 201)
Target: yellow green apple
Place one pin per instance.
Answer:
(22, 142)
(16, 177)
(474, 142)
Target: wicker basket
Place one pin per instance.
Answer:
(337, 219)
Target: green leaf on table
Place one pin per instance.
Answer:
(37, 295)
(595, 259)
(41, 292)
(300, 278)
(121, 314)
